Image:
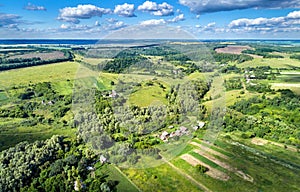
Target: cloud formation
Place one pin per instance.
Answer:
(73, 14)
(125, 10)
(31, 7)
(209, 6)
(163, 9)
(177, 19)
(9, 19)
(276, 24)
(153, 22)
(162, 21)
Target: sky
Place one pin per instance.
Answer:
(201, 19)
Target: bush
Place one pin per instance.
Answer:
(201, 168)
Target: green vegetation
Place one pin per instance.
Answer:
(55, 164)
(150, 106)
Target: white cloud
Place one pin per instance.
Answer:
(209, 6)
(153, 22)
(115, 26)
(163, 9)
(294, 15)
(73, 14)
(275, 24)
(32, 7)
(63, 26)
(111, 20)
(97, 23)
(177, 18)
(211, 24)
(126, 10)
(8, 19)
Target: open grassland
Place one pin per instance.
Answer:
(148, 95)
(273, 63)
(95, 61)
(45, 73)
(114, 174)
(161, 178)
(10, 135)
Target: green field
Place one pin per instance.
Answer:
(45, 73)
(124, 185)
(273, 63)
(161, 178)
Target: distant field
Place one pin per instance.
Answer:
(295, 87)
(44, 56)
(45, 73)
(95, 61)
(233, 49)
(273, 62)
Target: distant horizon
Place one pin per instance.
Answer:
(233, 39)
(211, 19)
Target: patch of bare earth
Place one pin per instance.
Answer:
(233, 49)
(209, 150)
(44, 56)
(236, 49)
(212, 172)
(224, 165)
(260, 141)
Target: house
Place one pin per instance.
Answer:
(113, 94)
(164, 136)
(201, 124)
(103, 159)
(183, 129)
(171, 127)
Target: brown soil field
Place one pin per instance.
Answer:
(44, 56)
(209, 150)
(233, 49)
(212, 172)
(224, 165)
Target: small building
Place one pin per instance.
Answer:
(164, 136)
(201, 124)
(103, 159)
(113, 94)
(183, 129)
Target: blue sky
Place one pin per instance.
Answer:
(213, 19)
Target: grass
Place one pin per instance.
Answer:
(45, 73)
(214, 148)
(233, 185)
(95, 61)
(160, 178)
(148, 95)
(273, 63)
(267, 175)
(124, 185)
(10, 135)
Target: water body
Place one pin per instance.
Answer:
(122, 41)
